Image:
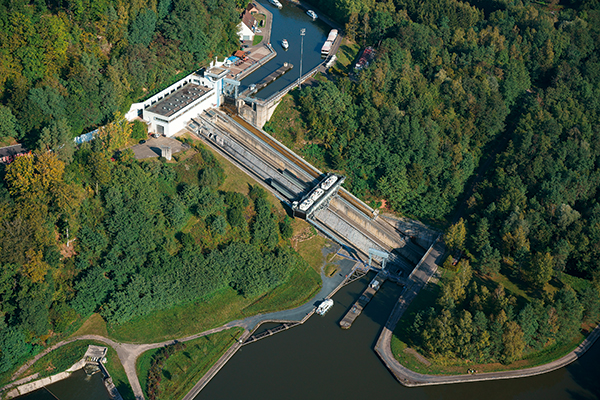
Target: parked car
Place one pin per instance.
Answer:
(155, 135)
(142, 141)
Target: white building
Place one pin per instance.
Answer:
(167, 112)
(247, 26)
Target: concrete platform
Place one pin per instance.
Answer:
(152, 147)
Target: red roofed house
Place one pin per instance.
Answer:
(247, 26)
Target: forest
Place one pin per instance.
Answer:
(486, 110)
(67, 66)
(148, 235)
(89, 229)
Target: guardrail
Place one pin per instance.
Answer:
(424, 257)
(278, 95)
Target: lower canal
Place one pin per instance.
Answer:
(287, 23)
(78, 386)
(319, 360)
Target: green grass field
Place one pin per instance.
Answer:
(184, 368)
(61, 359)
(64, 357)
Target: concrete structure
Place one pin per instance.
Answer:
(95, 353)
(168, 111)
(165, 151)
(346, 220)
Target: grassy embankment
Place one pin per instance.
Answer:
(184, 368)
(257, 39)
(225, 305)
(445, 366)
(345, 57)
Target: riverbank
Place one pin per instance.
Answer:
(93, 357)
(411, 378)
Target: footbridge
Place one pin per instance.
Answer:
(333, 211)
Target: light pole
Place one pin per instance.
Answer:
(302, 32)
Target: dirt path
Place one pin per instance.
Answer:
(128, 354)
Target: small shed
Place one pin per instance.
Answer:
(231, 60)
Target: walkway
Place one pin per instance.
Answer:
(128, 353)
(413, 379)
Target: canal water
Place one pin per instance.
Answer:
(319, 360)
(287, 23)
(78, 386)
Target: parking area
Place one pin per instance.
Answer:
(152, 147)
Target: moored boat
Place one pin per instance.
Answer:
(329, 182)
(316, 194)
(306, 204)
(285, 44)
(324, 307)
(276, 3)
(312, 14)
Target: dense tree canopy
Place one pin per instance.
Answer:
(68, 67)
(147, 236)
(453, 82)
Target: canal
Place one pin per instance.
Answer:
(78, 386)
(287, 23)
(319, 360)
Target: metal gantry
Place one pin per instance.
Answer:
(384, 255)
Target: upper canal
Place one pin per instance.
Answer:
(287, 23)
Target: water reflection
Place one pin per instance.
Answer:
(287, 23)
(78, 386)
(319, 360)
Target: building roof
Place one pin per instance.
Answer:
(179, 99)
(248, 19)
(216, 72)
(252, 8)
(12, 150)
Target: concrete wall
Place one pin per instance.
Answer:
(360, 220)
(30, 387)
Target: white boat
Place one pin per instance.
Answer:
(332, 35)
(326, 48)
(306, 204)
(316, 194)
(329, 182)
(312, 14)
(276, 3)
(324, 307)
(285, 44)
